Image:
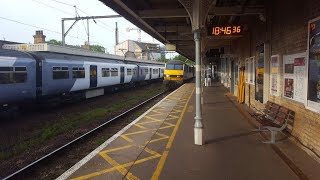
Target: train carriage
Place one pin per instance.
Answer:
(176, 73)
(36, 76)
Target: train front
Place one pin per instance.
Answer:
(173, 73)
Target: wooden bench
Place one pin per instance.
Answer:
(274, 118)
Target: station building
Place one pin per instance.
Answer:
(281, 57)
(277, 47)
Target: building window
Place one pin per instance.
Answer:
(114, 71)
(129, 72)
(12, 75)
(60, 72)
(78, 72)
(105, 72)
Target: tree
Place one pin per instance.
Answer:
(97, 48)
(54, 42)
(183, 59)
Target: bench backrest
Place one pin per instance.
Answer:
(278, 113)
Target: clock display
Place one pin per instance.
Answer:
(225, 30)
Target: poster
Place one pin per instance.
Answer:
(259, 73)
(294, 76)
(288, 88)
(314, 65)
(274, 75)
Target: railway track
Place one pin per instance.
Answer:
(50, 156)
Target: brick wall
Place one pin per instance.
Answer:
(284, 33)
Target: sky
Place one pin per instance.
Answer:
(19, 19)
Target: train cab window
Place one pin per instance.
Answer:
(12, 75)
(105, 72)
(78, 72)
(60, 72)
(114, 71)
(174, 67)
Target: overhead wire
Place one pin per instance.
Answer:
(105, 25)
(52, 7)
(66, 13)
(30, 25)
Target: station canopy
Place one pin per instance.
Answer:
(170, 22)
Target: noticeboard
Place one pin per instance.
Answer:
(313, 96)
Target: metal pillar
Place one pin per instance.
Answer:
(198, 126)
(63, 37)
(88, 34)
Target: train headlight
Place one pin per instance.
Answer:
(167, 75)
(178, 76)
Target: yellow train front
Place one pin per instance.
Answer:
(176, 73)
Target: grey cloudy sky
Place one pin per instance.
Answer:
(47, 14)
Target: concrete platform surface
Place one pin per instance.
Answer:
(160, 145)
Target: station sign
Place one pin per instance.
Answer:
(227, 30)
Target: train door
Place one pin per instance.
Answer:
(93, 76)
(150, 73)
(121, 75)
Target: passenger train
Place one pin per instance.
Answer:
(40, 76)
(176, 73)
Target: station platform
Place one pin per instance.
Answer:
(160, 145)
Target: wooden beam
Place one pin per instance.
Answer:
(170, 28)
(163, 13)
(236, 10)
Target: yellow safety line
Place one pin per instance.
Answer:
(116, 149)
(120, 167)
(158, 139)
(126, 138)
(138, 132)
(163, 158)
(155, 119)
(162, 135)
(116, 167)
(142, 127)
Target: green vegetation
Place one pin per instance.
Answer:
(183, 59)
(96, 48)
(74, 121)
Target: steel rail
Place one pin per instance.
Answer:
(82, 136)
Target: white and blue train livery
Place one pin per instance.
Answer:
(37, 76)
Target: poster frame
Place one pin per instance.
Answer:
(305, 89)
(278, 76)
(306, 102)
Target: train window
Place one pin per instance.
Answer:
(78, 72)
(178, 67)
(129, 72)
(114, 71)
(60, 72)
(12, 75)
(170, 66)
(162, 71)
(134, 72)
(146, 71)
(105, 72)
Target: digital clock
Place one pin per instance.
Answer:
(225, 30)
